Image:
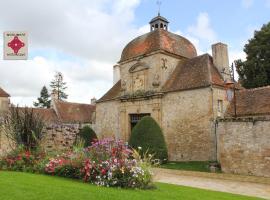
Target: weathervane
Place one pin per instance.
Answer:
(159, 4)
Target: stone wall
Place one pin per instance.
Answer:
(4, 102)
(60, 137)
(5, 144)
(57, 137)
(187, 123)
(244, 146)
(107, 119)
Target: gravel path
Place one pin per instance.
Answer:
(244, 185)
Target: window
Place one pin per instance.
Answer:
(220, 107)
(135, 118)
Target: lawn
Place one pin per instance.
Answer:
(24, 186)
(200, 166)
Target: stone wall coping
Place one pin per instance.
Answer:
(224, 176)
(244, 119)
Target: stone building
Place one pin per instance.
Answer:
(4, 101)
(244, 139)
(161, 75)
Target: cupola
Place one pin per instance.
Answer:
(159, 22)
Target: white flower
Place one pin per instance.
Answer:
(139, 148)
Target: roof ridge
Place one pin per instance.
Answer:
(210, 78)
(3, 93)
(75, 103)
(255, 89)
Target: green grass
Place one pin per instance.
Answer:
(200, 166)
(25, 186)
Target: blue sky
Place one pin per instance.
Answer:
(84, 39)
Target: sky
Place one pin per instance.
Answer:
(83, 39)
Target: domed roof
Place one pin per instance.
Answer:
(158, 39)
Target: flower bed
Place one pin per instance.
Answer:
(107, 163)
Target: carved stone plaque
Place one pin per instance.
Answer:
(138, 83)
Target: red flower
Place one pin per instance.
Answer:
(27, 154)
(103, 171)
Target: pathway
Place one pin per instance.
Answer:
(244, 185)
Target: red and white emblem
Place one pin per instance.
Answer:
(15, 45)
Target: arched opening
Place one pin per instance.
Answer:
(156, 25)
(161, 25)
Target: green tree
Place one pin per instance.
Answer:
(44, 100)
(148, 135)
(59, 86)
(255, 71)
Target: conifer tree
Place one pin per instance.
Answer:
(44, 100)
(59, 86)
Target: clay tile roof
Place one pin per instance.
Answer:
(3, 93)
(251, 102)
(113, 93)
(158, 40)
(193, 73)
(47, 114)
(74, 112)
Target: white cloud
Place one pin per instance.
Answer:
(247, 3)
(89, 34)
(24, 79)
(202, 29)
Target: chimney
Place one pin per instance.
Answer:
(93, 101)
(116, 73)
(221, 59)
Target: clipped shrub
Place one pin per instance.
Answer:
(88, 135)
(147, 136)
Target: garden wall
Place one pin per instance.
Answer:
(57, 137)
(60, 137)
(244, 146)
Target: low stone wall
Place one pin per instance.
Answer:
(60, 137)
(244, 146)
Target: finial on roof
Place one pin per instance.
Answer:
(159, 4)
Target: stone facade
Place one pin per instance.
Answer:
(188, 126)
(148, 74)
(4, 103)
(243, 146)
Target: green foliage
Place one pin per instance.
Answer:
(88, 135)
(200, 166)
(44, 100)
(26, 186)
(24, 127)
(69, 171)
(59, 86)
(255, 71)
(23, 160)
(148, 136)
